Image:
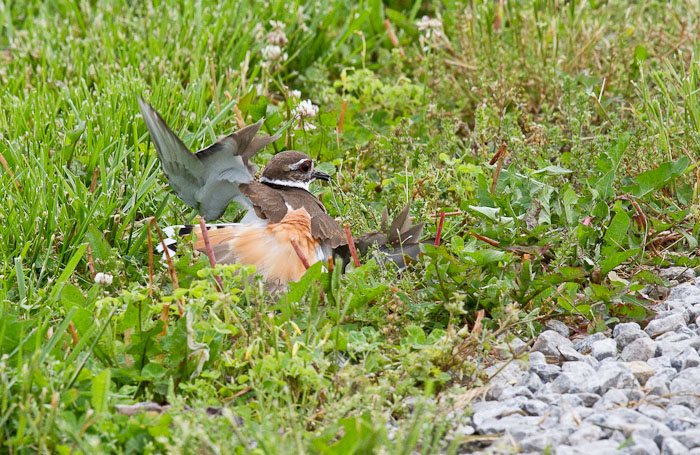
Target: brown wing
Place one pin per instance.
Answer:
(271, 204)
(267, 202)
(323, 226)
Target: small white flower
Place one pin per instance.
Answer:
(428, 23)
(277, 37)
(278, 25)
(258, 31)
(296, 94)
(103, 279)
(271, 52)
(308, 126)
(307, 109)
(430, 27)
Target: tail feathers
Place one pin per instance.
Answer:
(174, 234)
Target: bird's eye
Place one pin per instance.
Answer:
(305, 166)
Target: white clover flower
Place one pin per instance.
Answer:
(309, 126)
(306, 109)
(103, 279)
(277, 37)
(292, 93)
(271, 52)
(279, 25)
(430, 27)
(427, 23)
(258, 31)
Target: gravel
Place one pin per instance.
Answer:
(634, 391)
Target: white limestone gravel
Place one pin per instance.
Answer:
(636, 391)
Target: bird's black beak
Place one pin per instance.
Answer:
(318, 175)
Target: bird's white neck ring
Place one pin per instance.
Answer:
(287, 183)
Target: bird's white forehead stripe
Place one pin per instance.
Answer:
(290, 183)
(298, 163)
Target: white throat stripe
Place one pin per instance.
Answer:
(289, 183)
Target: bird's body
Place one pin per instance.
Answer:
(281, 212)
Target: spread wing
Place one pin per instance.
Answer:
(207, 180)
(395, 242)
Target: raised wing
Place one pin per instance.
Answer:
(207, 180)
(185, 173)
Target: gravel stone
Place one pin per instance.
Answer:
(548, 343)
(624, 327)
(642, 446)
(537, 358)
(613, 398)
(584, 346)
(568, 353)
(546, 372)
(629, 336)
(659, 363)
(575, 377)
(679, 418)
(677, 273)
(672, 345)
(510, 373)
(672, 446)
(535, 407)
(558, 327)
(500, 425)
(642, 348)
(688, 358)
(585, 434)
(613, 374)
(641, 370)
(686, 292)
(532, 381)
(661, 326)
(603, 349)
(689, 438)
(652, 411)
(602, 447)
(539, 442)
(684, 387)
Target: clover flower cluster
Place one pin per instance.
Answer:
(273, 54)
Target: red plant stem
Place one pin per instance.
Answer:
(341, 120)
(439, 229)
(210, 252)
(300, 253)
(491, 242)
(351, 245)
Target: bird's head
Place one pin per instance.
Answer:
(292, 169)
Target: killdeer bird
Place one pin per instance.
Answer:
(280, 207)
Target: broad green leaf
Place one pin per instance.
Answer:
(613, 260)
(487, 256)
(98, 245)
(298, 290)
(553, 170)
(70, 267)
(617, 230)
(100, 390)
(640, 53)
(652, 180)
(604, 184)
(489, 212)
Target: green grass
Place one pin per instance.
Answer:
(596, 102)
